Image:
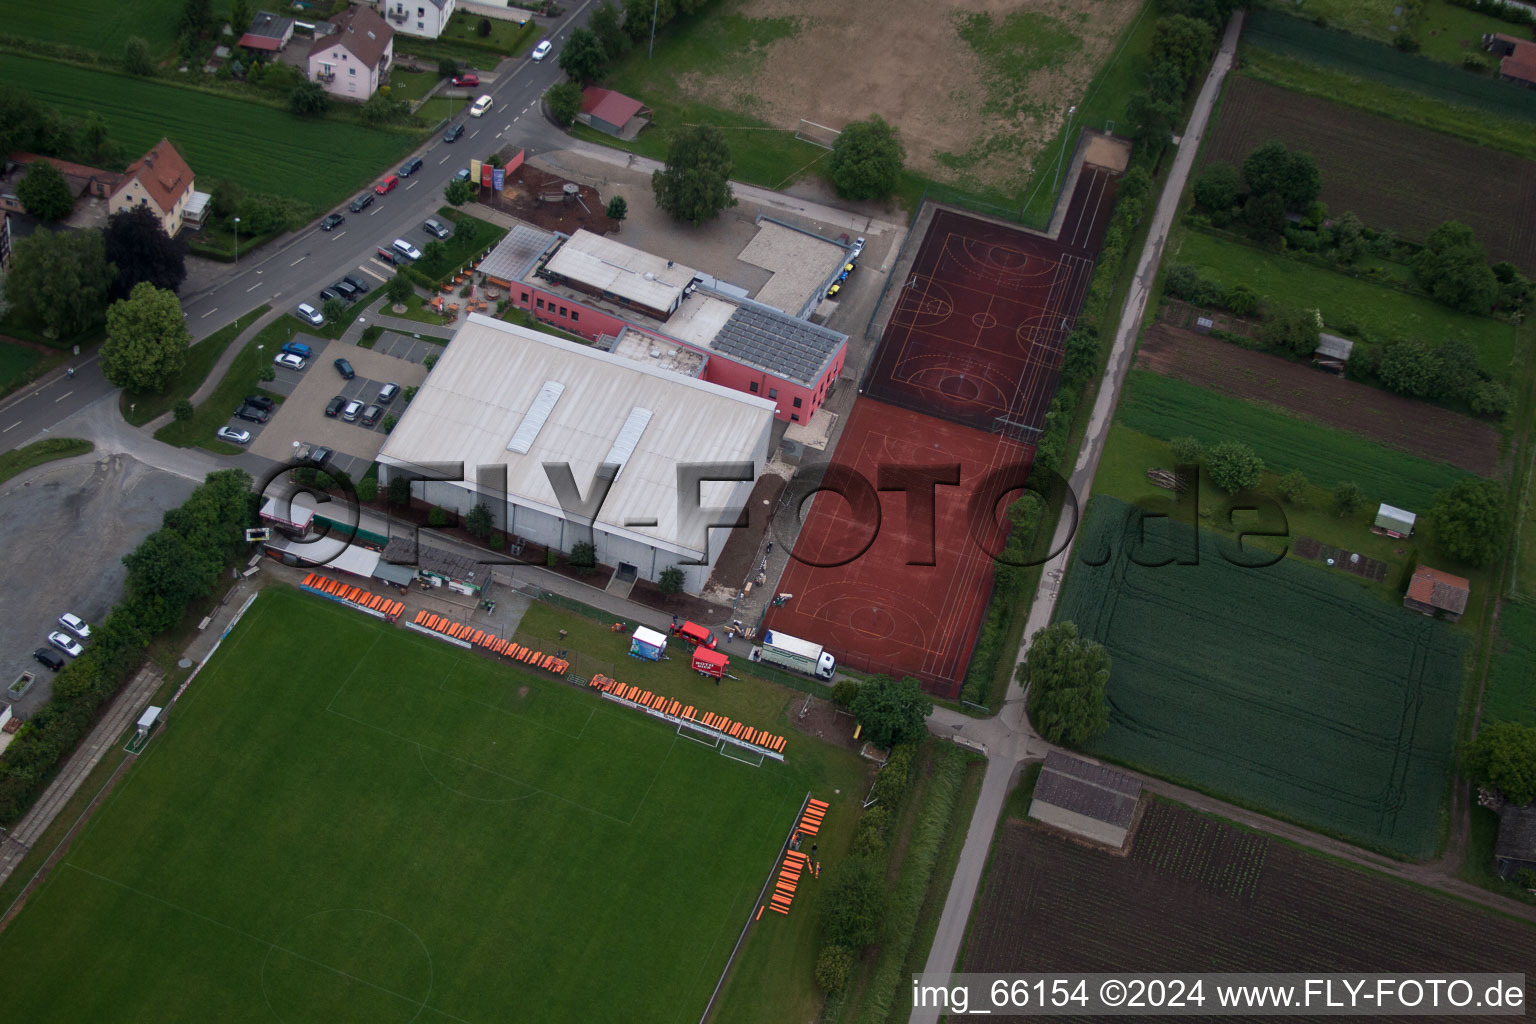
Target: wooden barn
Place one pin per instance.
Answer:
(1086, 799)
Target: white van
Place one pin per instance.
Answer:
(481, 106)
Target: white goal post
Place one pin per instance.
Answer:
(817, 134)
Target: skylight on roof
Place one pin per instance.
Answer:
(629, 437)
(533, 420)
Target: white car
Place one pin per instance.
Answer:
(234, 435)
(481, 106)
(76, 625)
(310, 313)
(406, 249)
(350, 410)
(289, 360)
(66, 643)
(858, 248)
(542, 50)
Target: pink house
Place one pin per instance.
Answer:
(353, 60)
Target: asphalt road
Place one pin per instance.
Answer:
(297, 268)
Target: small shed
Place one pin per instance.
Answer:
(1393, 522)
(1434, 592)
(647, 643)
(1515, 850)
(609, 111)
(710, 663)
(1086, 799)
(148, 720)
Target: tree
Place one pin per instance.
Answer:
(866, 160)
(671, 581)
(1488, 398)
(583, 557)
(1242, 300)
(1152, 119)
(1294, 488)
(1348, 499)
(433, 251)
(1406, 367)
(852, 904)
(1264, 217)
(308, 99)
(1218, 187)
(1292, 330)
(1066, 674)
(1453, 269)
(334, 310)
(169, 572)
(60, 279)
(695, 185)
(1302, 183)
(1234, 467)
(147, 340)
(399, 289)
(564, 102)
(381, 109)
(610, 33)
(480, 522)
(484, 28)
(137, 60)
(1183, 42)
(1186, 451)
(459, 192)
(1264, 167)
(240, 17)
(1349, 238)
(1166, 83)
(1469, 520)
(617, 209)
(1514, 288)
(196, 17)
(368, 489)
(582, 58)
(44, 192)
(1503, 757)
(447, 67)
(892, 711)
(833, 966)
(1453, 369)
(399, 491)
(137, 245)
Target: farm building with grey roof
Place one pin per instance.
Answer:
(1085, 799)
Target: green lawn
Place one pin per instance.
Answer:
(100, 25)
(1166, 408)
(506, 37)
(1511, 690)
(1349, 305)
(262, 148)
(384, 828)
(140, 409)
(242, 378)
(1240, 682)
(18, 364)
(411, 85)
(1450, 33)
(50, 449)
(1372, 18)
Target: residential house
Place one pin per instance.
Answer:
(1518, 58)
(83, 181)
(354, 59)
(268, 33)
(1086, 799)
(162, 181)
(1515, 850)
(425, 18)
(1432, 591)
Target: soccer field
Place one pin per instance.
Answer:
(346, 821)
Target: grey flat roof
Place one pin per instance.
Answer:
(453, 566)
(516, 253)
(1088, 789)
(777, 342)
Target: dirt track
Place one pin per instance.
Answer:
(1397, 422)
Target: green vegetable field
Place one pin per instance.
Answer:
(1511, 688)
(1289, 689)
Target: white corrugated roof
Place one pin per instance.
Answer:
(618, 269)
(492, 373)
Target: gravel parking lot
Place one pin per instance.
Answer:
(67, 529)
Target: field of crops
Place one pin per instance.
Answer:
(1166, 407)
(1255, 904)
(101, 25)
(1241, 682)
(262, 148)
(1511, 691)
(1395, 176)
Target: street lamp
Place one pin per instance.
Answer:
(237, 241)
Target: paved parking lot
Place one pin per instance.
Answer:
(403, 346)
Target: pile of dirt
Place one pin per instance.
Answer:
(574, 210)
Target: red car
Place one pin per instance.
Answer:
(464, 81)
(387, 185)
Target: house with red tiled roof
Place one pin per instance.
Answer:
(268, 33)
(1433, 592)
(1518, 58)
(353, 60)
(161, 181)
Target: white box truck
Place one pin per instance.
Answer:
(793, 653)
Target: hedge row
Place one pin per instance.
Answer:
(174, 566)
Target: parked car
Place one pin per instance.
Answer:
(387, 393)
(260, 402)
(462, 175)
(345, 289)
(333, 407)
(251, 414)
(410, 167)
(389, 184)
(406, 249)
(436, 227)
(371, 415)
(481, 106)
(76, 625)
(319, 456)
(345, 369)
(66, 643)
(290, 361)
(542, 50)
(453, 132)
(357, 283)
(464, 81)
(310, 313)
(327, 294)
(384, 255)
(334, 220)
(234, 435)
(350, 410)
(298, 348)
(50, 658)
(858, 249)
(361, 202)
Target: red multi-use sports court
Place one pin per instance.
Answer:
(964, 375)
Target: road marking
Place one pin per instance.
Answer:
(410, 186)
(507, 127)
(445, 159)
(376, 211)
(301, 259)
(253, 287)
(371, 273)
(474, 133)
(61, 398)
(337, 235)
(10, 428)
(206, 315)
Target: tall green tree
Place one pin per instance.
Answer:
(892, 711)
(240, 18)
(582, 58)
(1470, 520)
(196, 17)
(1066, 674)
(1407, 368)
(609, 29)
(1264, 217)
(695, 185)
(617, 209)
(1218, 187)
(1233, 466)
(459, 192)
(61, 280)
(44, 192)
(564, 101)
(1183, 42)
(867, 159)
(1292, 329)
(137, 60)
(399, 289)
(1152, 120)
(480, 522)
(1453, 269)
(1503, 757)
(1272, 169)
(308, 99)
(147, 340)
(137, 245)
